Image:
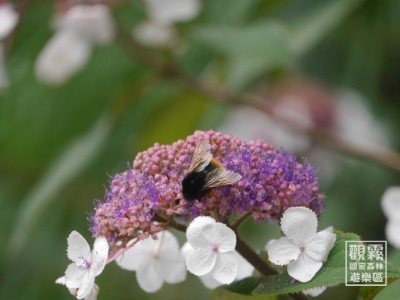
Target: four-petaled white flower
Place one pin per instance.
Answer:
(391, 208)
(80, 274)
(213, 246)
(68, 51)
(245, 269)
(303, 249)
(155, 261)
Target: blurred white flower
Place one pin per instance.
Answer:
(315, 292)
(153, 34)
(303, 249)
(155, 261)
(245, 269)
(92, 295)
(213, 245)
(80, 274)
(391, 208)
(158, 30)
(168, 12)
(8, 20)
(68, 51)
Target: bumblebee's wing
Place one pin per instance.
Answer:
(201, 157)
(221, 177)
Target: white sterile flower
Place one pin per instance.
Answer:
(155, 261)
(80, 274)
(92, 22)
(314, 292)
(303, 249)
(68, 51)
(92, 295)
(391, 209)
(8, 20)
(245, 269)
(213, 246)
(63, 56)
(171, 11)
(153, 34)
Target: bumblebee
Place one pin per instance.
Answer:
(205, 172)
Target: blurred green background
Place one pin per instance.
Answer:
(60, 144)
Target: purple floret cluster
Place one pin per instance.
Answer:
(272, 181)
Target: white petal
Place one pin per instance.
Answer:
(86, 287)
(223, 237)
(171, 266)
(63, 56)
(393, 233)
(168, 241)
(199, 230)
(321, 244)
(132, 258)
(299, 224)
(153, 34)
(226, 268)
(304, 268)
(74, 276)
(78, 248)
(170, 11)
(315, 291)
(8, 19)
(245, 269)
(391, 202)
(282, 251)
(209, 281)
(201, 261)
(93, 294)
(99, 255)
(148, 277)
(61, 280)
(92, 22)
(186, 249)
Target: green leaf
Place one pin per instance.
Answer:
(369, 292)
(251, 50)
(240, 290)
(332, 273)
(73, 160)
(316, 24)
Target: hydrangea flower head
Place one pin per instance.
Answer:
(271, 181)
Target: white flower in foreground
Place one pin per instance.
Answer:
(171, 11)
(213, 250)
(155, 261)
(92, 295)
(80, 274)
(68, 51)
(315, 292)
(391, 208)
(245, 269)
(303, 249)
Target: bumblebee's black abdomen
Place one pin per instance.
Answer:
(192, 185)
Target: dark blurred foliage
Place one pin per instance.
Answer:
(239, 44)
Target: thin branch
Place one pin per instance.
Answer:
(239, 220)
(142, 55)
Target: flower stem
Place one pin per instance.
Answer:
(239, 220)
(254, 259)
